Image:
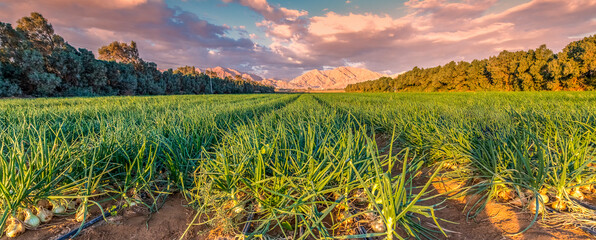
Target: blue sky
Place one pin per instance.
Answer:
(281, 39)
(236, 15)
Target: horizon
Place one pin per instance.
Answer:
(282, 39)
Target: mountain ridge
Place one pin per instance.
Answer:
(223, 72)
(337, 78)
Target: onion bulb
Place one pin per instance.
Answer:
(360, 196)
(31, 220)
(15, 228)
(132, 203)
(586, 188)
(370, 215)
(506, 194)
(544, 198)
(559, 205)
(378, 226)
(44, 214)
(72, 205)
(534, 209)
(576, 193)
(80, 216)
(238, 209)
(258, 207)
(450, 165)
(58, 208)
(336, 196)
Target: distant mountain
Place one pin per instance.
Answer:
(229, 72)
(337, 78)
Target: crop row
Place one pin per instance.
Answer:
(533, 150)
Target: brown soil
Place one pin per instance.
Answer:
(133, 223)
(497, 221)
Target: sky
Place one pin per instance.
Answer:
(282, 39)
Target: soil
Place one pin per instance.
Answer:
(497, 221)
(133, 223)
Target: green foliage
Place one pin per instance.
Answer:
(8, 87)
(499, 143)
(574, 68)
(40, 33)
(120, 52)
(36, 62)
(308, 164)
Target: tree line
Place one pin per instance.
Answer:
(36, 62)
(574, 68)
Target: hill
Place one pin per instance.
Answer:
(337, 78)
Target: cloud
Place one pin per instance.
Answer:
(169, 36)
(110, 4)
(271, 13)
(333, 23)
(428, 33)
(432, 32)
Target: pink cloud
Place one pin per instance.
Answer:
(170, 37)
(333, 23)
(275, 14)
(431, 32)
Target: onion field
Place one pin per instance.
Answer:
(300, 166)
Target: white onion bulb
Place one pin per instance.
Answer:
(72, 205)
(31, 220)
(44, 214)
(58, 208)
(378, 226)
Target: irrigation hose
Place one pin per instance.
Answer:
(589, 230)
(88, 224)
(247, 225)
(361, 229)
(588, 206)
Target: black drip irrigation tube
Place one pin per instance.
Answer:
(589, 230)
(247, 225)
(588, 206)
(361, 229)
(88, 224)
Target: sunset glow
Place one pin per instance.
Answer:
(282, 39)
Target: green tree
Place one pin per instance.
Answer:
(8, 87)
(40, 33)
(120, 52)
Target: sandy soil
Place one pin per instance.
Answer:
(133, 223)
(495, 222)
(171, 221)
